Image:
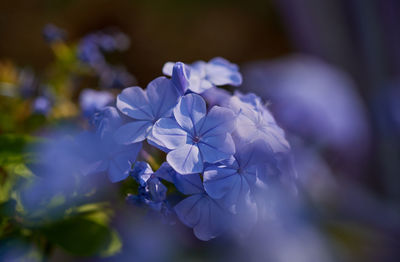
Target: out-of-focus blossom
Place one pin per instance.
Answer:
(106, 156)
(53, 34)
(314, 101)
(58, 171)
(41, 105)
(203, 76)
(91, 51)
(116, 77)
(92, 101)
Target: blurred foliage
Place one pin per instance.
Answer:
(78, 225)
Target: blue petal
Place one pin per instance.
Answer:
(221, 72)
(203, 214)
(141, 172)
(169, 133)
(230, 187)
(186, 184)
(216, 96)
(186, 159)
(157, 190)
(95, 167)
(219, 120)
(219, 181)
(133, 132)
(120, 162)
(189, 210)
(162, 96)
(255, 122)
(190, 113)
(168, 68)
(133, 102)
(180, 77)
(216, 148)
(106, 122)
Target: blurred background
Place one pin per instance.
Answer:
(329, 71)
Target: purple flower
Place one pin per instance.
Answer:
(195, 137)
(254, 122)
(202, 213)
(231, 181)
(115, 77)
(41, 105)
(313, 100)
(186, 184)
(92, 101)
(198, 211)
(107, 156)
(203, 76)
(145, 108)
(52, 33)
(106, 121)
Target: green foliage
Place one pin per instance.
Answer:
(82, 236)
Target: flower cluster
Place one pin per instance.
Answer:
(221, 149)
(91, 51)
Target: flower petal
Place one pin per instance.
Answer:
(186, 159)
(203, 214)
(188, 210)
(162, 96)
(216, 148)
(180, 77)
(222, 72)
(133, 102)
(190, 113)
(121, 161)
(167, 68)
(219, 120)
(132, 132)
(186, 184)
(169, 133)
(218, 181)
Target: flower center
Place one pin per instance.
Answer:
(196, 139)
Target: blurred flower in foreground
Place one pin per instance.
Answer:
(315, 101)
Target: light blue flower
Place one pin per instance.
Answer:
(104, 155)
(186, 184)
(146, 107)
(205, 215)
(254, 121)
(202, 213)
(92, 101)
(231, 180)
(195, 137)
(41, 105)
(105, 122)
(217, 72)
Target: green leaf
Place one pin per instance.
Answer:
(13, 148)
(83, 237)
(114, 246)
